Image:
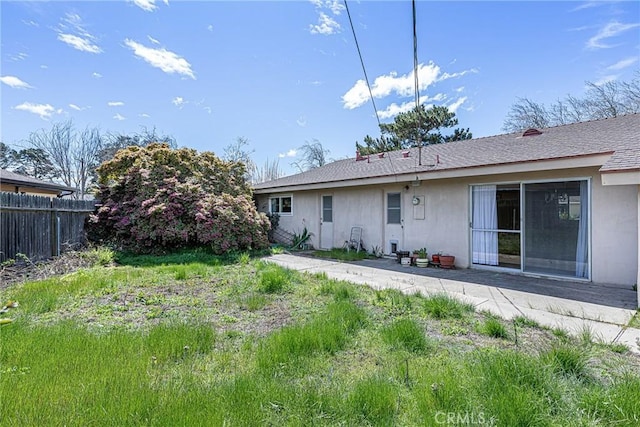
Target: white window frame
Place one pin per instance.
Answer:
(280, 198)
(398, 208)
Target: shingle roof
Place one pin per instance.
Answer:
(622, 160)
(613, 135)
(9, 177)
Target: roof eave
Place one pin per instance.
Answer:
(572, 162)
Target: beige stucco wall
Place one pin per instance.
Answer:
(9, 188)
(445, 227)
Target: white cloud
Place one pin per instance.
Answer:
(623, 64)
(146, 5)
(144, 115)
(612, 29)
(119, 117)
(96, 75)
(395, 109)
(385, 85)
(167, 61)
(326, 25)
(301, 121)
(115, 103)
(18, 57)
(15, 82)
(178, 101)
(72, 32)
(152, 40)
(605, 79)
(75, 107)
(207, 109)
(79, 43)
(403, 86)
(453, 107)
(587, 5)
(43, 110)
(44, 67)
(31, 23)
(290, 153)
(210, 28)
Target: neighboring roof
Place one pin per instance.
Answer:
(8, 177)
(619, 136)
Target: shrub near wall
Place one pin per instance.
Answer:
(156, 197)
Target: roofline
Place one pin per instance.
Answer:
(43, 185)
(567, 162)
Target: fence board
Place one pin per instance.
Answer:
(40, 227)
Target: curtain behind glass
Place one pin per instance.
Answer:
(485, 217)
(582, 247)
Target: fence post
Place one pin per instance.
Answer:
(54, 231)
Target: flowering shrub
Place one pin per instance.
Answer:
(156, 197)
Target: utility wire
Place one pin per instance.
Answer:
(415, 55)
(362, 62)
(415, 80)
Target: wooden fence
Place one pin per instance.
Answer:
(40, 227)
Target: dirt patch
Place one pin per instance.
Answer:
(24, 270)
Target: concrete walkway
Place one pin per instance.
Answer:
(606, 323)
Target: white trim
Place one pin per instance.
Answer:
(281, 196)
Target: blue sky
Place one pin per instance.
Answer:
(287, 72)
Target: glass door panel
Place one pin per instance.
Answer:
(556, 228)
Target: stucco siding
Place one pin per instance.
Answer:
(441, 221)
(614, 233)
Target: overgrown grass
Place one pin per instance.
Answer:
(202, 342)
(274, 279)
(407, 334)
(494, 327)
(635, 321)
(442, 306)
(342, 254)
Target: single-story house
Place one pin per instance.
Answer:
(561, 202)
(12, 182)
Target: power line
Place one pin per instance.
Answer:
(415, 81)
(362, 62)
(415, 55)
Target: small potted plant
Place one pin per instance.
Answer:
(447, 261)
(422, 260)
(435, 258)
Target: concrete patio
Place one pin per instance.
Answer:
(604, 310)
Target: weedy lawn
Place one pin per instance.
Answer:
(191, 339)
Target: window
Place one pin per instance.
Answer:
(393, 208)
(327, 208)
(280, 205)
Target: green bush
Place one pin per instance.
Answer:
(155, 198)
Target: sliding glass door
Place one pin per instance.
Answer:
(554, 239)
(556, 228)
(495, 222)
